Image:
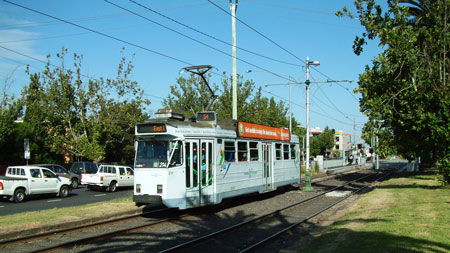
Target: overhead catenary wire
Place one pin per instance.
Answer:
(118, 39)
(253, 29)
(210, 36)
(303, 107)
(110, 16)
(100, 33)
(56, 67)
(198, 41)
(278, 45)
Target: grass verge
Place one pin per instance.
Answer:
(29, 220)
(404, 214)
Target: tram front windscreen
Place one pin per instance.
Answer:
(158, 154)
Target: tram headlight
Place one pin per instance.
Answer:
(159, 189)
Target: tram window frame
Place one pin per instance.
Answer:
(278, 151)
(230, 147)
(254, 152)
(242, 151)
(285, 151)
(293, 151)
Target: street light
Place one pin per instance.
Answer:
(308, 186)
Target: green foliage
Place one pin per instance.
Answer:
(444, 169)
(191, 96)
(405, 93)
(316, 167)
(10, 110)
(320, 144)
(91, 119)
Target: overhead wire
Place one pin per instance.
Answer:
(100, 33)
(303, 107)
(278, 45)
(56, 67)
(152, 51)
(32, 24)
(198, 41)
(210, 36)
(253, 29)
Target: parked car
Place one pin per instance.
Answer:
(22, 181)
(109, 177)
(83, 168)
(62, 172)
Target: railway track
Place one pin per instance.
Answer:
(269, 225)
(73, 239)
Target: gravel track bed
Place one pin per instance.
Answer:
(210, 219)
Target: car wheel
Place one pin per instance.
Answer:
(112, 187)
(64, 191)
(19, 195)
(74, 183)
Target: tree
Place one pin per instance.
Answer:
(91, 119)
(10, 110)
(405, 93)
(191, 96)
(323, 142)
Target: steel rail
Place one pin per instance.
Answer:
(258, 244)
(211, 235)
(75, 228)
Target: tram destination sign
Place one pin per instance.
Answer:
(250, 130)
(151, 128)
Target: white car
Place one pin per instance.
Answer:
(109, 177)
(21, 181)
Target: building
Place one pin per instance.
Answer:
(342, 141)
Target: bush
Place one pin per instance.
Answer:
(444, 169)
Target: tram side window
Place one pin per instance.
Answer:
(242, 151)
(286, 151)
(293, 152)
(230, 151)
(254, 155)
(278, 151)
(188, 165)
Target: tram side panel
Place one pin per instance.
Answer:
(286, 164)
(238, 178)
(266, 172)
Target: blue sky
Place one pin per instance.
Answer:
(302, 28)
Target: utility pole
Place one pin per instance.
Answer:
(233, 8)
(308, 186)
(290, 98)
(290, 106)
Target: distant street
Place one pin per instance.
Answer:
(77, 197)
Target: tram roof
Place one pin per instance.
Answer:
(222, 124)
(227, 124)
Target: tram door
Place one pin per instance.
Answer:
(199, 172)
(267, 166)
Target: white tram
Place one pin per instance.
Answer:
(197, 162)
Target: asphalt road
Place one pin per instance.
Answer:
(80, 196)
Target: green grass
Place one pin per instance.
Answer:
(405, 214)
(67, 214)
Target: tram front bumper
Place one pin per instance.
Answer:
(147, 199)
